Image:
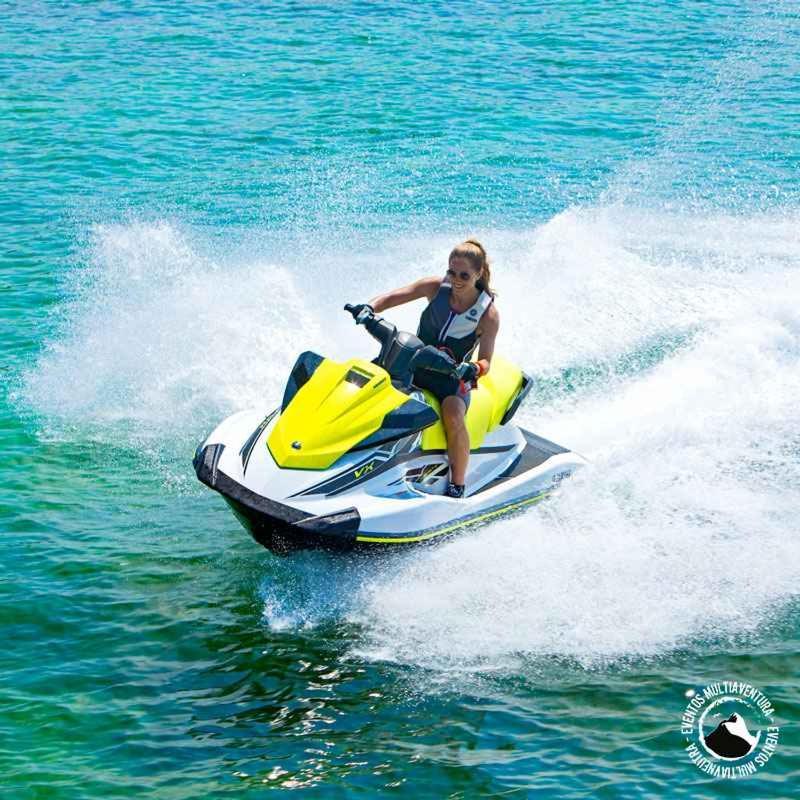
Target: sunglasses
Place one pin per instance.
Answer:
(465, 276)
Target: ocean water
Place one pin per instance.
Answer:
(191, 191)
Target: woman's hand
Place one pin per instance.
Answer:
(468, 372)
(362, 312)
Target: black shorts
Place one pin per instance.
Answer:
(441, 386)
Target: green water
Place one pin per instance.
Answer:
(190, 194)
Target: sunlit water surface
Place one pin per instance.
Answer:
(191, 194)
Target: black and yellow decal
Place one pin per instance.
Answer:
(252, 439)
(376, 464)
(342, 481)
(432, 533)
(363, 471)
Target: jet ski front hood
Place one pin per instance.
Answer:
(339, 406)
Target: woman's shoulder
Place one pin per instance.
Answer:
(430, 286)
(491, 316)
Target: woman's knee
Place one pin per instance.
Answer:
(453, 412)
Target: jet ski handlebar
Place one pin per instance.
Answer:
(401, 352)
(378, 328)
(360, 310)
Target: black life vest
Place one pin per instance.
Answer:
(450, 330)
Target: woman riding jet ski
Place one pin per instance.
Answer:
(393, 451)
(460, 315)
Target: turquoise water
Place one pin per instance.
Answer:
(191, 193)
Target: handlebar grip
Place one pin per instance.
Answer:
(349, 308)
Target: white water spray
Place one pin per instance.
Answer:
(667, 349)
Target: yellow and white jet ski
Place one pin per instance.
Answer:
(355, 457)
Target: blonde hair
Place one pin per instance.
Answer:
(474, 252)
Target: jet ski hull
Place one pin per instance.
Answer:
(380, 500)
(274, 525)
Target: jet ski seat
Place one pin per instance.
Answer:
(492, 403)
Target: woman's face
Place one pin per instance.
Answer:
(462, 274)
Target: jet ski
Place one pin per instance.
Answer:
(356, 455)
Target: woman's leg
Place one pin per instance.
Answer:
(453, 412)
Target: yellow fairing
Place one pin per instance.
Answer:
(487, 405)
(331, 413)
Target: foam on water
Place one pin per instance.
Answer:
(159, 333)
(681, 527)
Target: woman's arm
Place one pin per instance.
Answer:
(424, 287)
(490, 324)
